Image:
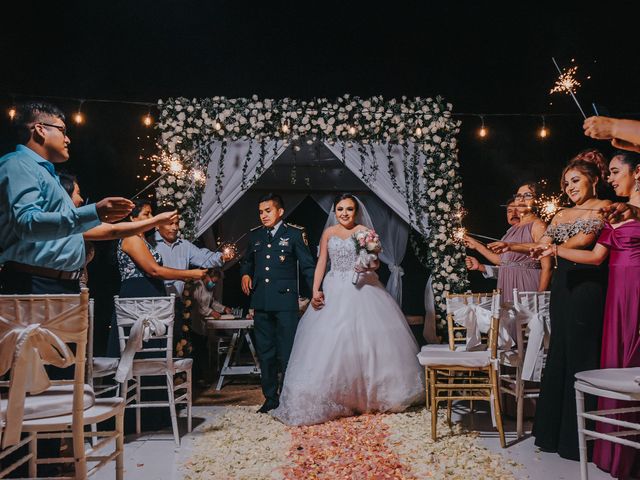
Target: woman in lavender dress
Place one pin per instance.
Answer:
(516, 269)
(620, 336)
(577, 304)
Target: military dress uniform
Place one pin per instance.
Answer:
(270, 261)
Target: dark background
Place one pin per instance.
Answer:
(481, 56)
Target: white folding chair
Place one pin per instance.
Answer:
(36, 330)
(99, 368)
(525, 362)
(459, 374)
(140, 320)
(614, 383)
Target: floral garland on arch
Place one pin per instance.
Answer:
(193, 132)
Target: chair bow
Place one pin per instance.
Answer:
(476, 318)
(535, 319)
(146, 325)
(24, 349)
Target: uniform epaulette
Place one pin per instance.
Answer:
(256, 228)
(295, 226)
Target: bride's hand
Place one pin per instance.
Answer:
(317, 302)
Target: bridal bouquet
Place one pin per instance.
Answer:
(368, 246)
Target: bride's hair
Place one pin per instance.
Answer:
(345, 196)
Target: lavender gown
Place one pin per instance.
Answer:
(620, 340)
(517, 270)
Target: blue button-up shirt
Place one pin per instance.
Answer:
(39, 225)
(183, 255)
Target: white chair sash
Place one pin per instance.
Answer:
(151, 322)
(476, 318)
(533, 310)
(24, 349)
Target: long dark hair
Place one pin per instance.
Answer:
(345, 196)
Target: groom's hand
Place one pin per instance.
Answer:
(246, 284)
(318, 301)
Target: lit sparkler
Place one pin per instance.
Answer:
(547, 206)
(459, 234)
(567, 83)
(229, 251)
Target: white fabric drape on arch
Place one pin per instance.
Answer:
(232, 190)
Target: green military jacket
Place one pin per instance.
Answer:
(273, 269)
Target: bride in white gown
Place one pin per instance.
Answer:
(353, 352)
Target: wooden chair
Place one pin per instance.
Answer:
(100, 368)
(459, 374)
(138, 320)
(615, 383)
(36, 330)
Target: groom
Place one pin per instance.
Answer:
(269, 275)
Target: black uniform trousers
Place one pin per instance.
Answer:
(274, 332)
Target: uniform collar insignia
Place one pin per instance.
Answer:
(284, 242)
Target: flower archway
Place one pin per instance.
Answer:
(407, 146)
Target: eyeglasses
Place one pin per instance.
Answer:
(61, 128)
(523, 196)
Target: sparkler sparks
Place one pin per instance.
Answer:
(229, 250)
(459, 234)
(567, 83)
(547, 206)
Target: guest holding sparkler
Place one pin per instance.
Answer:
(620, 336)
(517, 269)
(623, 133)
(141, 269)
(491, 271)
(577, 304)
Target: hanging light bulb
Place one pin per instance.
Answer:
(12, 113)
(78, 117)
(483, 130)
(147, 120)
(544, 131)
(418, 132)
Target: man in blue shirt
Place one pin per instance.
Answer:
(180, 253)
(41, 245)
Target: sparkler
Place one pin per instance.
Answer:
(173, 166)
(229, 250)
(458, 235)
(567, 83)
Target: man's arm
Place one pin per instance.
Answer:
(27, 206)
(203, 257)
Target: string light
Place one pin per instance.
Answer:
(78, 117)
(12, 113)
(483, 130)
(147, 120)
(544, 132)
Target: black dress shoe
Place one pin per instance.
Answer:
(267, 406)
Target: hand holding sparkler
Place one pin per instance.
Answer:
(624, 134)
(229, 251)
(620, 212)
(499, 247)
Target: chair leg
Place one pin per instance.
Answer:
(80, 459)
(120, 445)
(33, 450)
(138, 401)
(519, 404)
(172, 408)
(189, 399)
(449, 401)
(582, 441)
(426, 386)
(434, 405)
(496, 406)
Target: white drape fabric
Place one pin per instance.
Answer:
(31, 336)
(475, 316)
(533, 310)
(212, 207)
(148, 319)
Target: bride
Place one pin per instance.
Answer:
(353, 352)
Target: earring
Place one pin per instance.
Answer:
(595, 193)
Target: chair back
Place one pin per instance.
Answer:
(533, 329)
(36, 330)
(89, 368)
(139, 320)
(464, 323)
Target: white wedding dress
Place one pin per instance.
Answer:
(355, 355)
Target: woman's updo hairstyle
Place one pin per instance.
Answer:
(630, 159)
(592, 164)
(345, 196)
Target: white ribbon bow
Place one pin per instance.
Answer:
(146, 325)
(534, 316)
(25, 349)
(476, 318)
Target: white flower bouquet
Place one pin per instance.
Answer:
(368, 247)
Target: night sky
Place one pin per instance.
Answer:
(482, 58)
